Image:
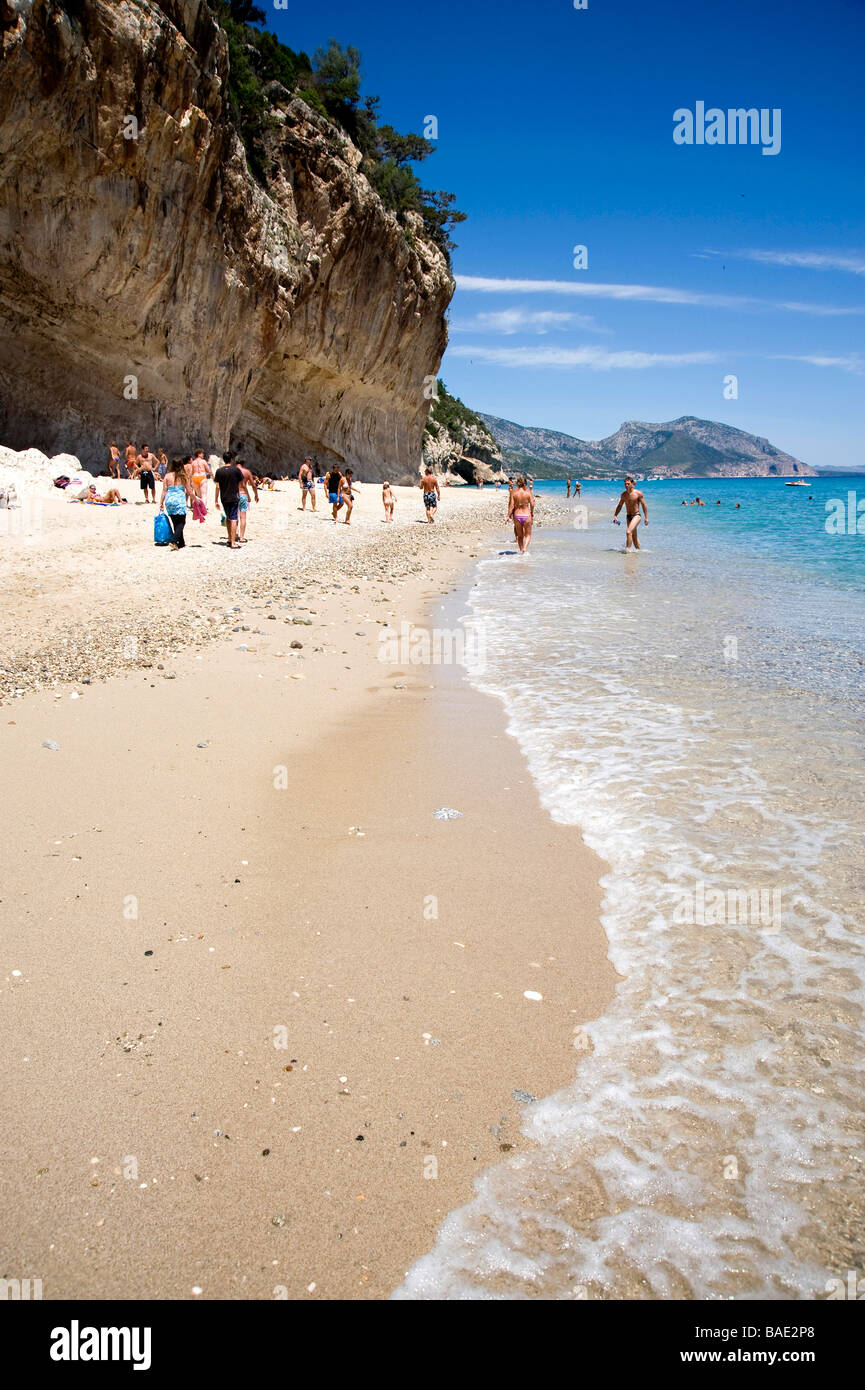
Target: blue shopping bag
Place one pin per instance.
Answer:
(162, 532)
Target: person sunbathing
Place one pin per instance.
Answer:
(111, 498)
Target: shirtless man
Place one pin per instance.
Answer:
(306, 478)
(632, 501)
(334, 483)
(146, 476)
(431, 493)
(247, 482)
(521, 511)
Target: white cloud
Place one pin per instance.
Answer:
(653, 294)
(507, 321)
(595, 358)
(852, 363)
(853, 264)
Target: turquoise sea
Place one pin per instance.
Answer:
(697, 711)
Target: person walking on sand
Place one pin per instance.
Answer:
(227, 481)
(201, 471)
(521, 511)
(632, 501)
(177, 492)
(131, 460)
(243, 499)
(333, 484)
(387, 498)
(306, 478)
(347, 495)
(114, 460)
(429, 485)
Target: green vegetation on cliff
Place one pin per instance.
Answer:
(264, 72)
(452, 415)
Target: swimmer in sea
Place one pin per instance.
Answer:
(632, 501)
(521, 511)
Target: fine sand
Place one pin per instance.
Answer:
(263, 1015)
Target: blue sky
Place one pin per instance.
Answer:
(555, 129)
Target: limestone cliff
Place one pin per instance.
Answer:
(138, 254)
(457, 442)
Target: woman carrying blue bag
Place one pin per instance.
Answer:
(176, 494)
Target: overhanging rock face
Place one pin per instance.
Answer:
(152, 291)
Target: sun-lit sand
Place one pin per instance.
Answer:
(264, 1015)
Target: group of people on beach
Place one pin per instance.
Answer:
(184, 481)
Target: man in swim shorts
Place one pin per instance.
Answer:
(521, 511)
(632, 501)
(146, 475)
(227, 482)
(431, 493)
(306, 478)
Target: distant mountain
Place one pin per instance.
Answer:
(683, 448)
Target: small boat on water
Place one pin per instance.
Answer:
(801, 483)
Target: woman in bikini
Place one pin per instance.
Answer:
(347, 495)
(201, 471)
(388, 500)
(521, 511)
(114, 460)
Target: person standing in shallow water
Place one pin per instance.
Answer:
(521, 511)
(632, 501)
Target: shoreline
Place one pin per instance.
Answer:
(304, 908)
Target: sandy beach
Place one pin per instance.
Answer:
(265, 1016)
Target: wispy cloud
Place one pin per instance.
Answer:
(852, 363)
(653, 294)
(852, 264)
(598, 359)
(507, 321)
(594, 358)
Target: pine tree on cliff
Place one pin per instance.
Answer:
(264, 72)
